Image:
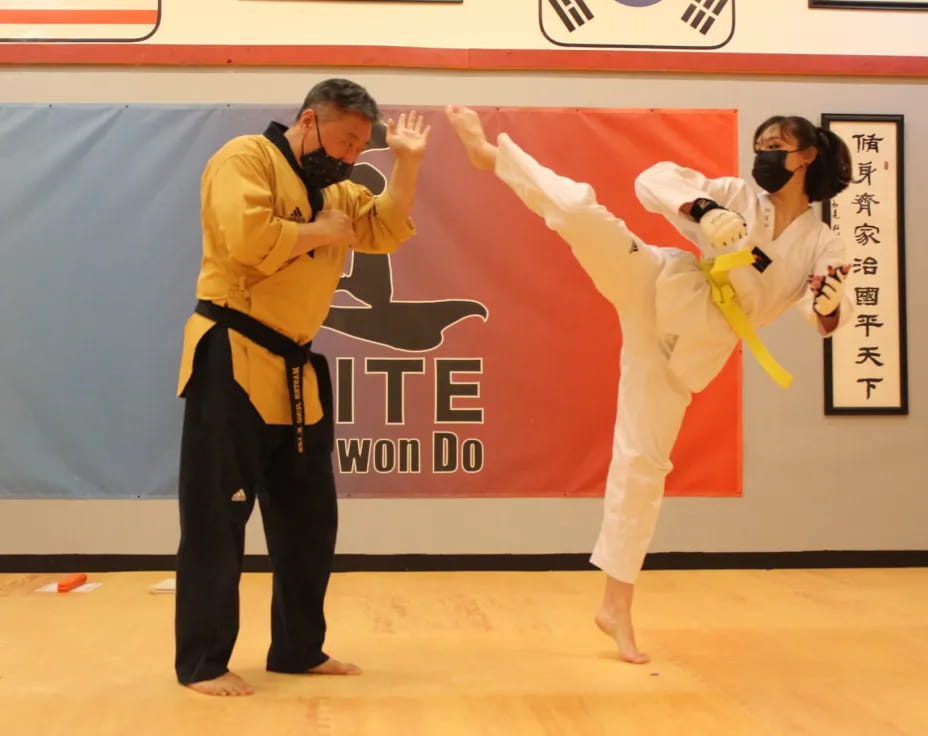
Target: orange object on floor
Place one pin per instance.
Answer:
(71, 582)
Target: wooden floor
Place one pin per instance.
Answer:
(790, 652)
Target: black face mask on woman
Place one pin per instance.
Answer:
(321, 170)
(770, 170)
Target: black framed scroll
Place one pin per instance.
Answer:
(866, 368)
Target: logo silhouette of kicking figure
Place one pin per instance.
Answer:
(412, 326)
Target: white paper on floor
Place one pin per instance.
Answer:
(168, 585)
(53, 588)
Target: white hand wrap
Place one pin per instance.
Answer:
(828, 298)
(722, 227)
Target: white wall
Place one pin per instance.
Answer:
(810, 482)
(741, 26)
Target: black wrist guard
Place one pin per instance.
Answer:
(701, 206)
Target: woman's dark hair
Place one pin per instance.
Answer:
(342, 95)
(830, 172)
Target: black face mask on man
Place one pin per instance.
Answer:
(321, 170)
(770, 170)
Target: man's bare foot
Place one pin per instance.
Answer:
(227, 684)
(466, 123)
(334, 667)
(619, 629)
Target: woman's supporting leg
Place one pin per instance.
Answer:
(651, 406)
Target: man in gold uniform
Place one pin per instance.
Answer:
(279, 214)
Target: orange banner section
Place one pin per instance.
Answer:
(79, 17)
(479, 360)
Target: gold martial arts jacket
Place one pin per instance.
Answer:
(252, 200)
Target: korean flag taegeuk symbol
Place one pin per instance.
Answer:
(667, 24)
(78, 20)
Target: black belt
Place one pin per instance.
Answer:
(295, 356)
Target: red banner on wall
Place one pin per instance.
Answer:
(479, 360)
(78, 20)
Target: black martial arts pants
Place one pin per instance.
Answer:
(229, 457)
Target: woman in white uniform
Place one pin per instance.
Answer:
(675, 339)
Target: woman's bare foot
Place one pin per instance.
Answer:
(623, 635)
(334, 667)
(466, 124)
(615, 619)
(227, 684)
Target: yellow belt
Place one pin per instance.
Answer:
(723, 294)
